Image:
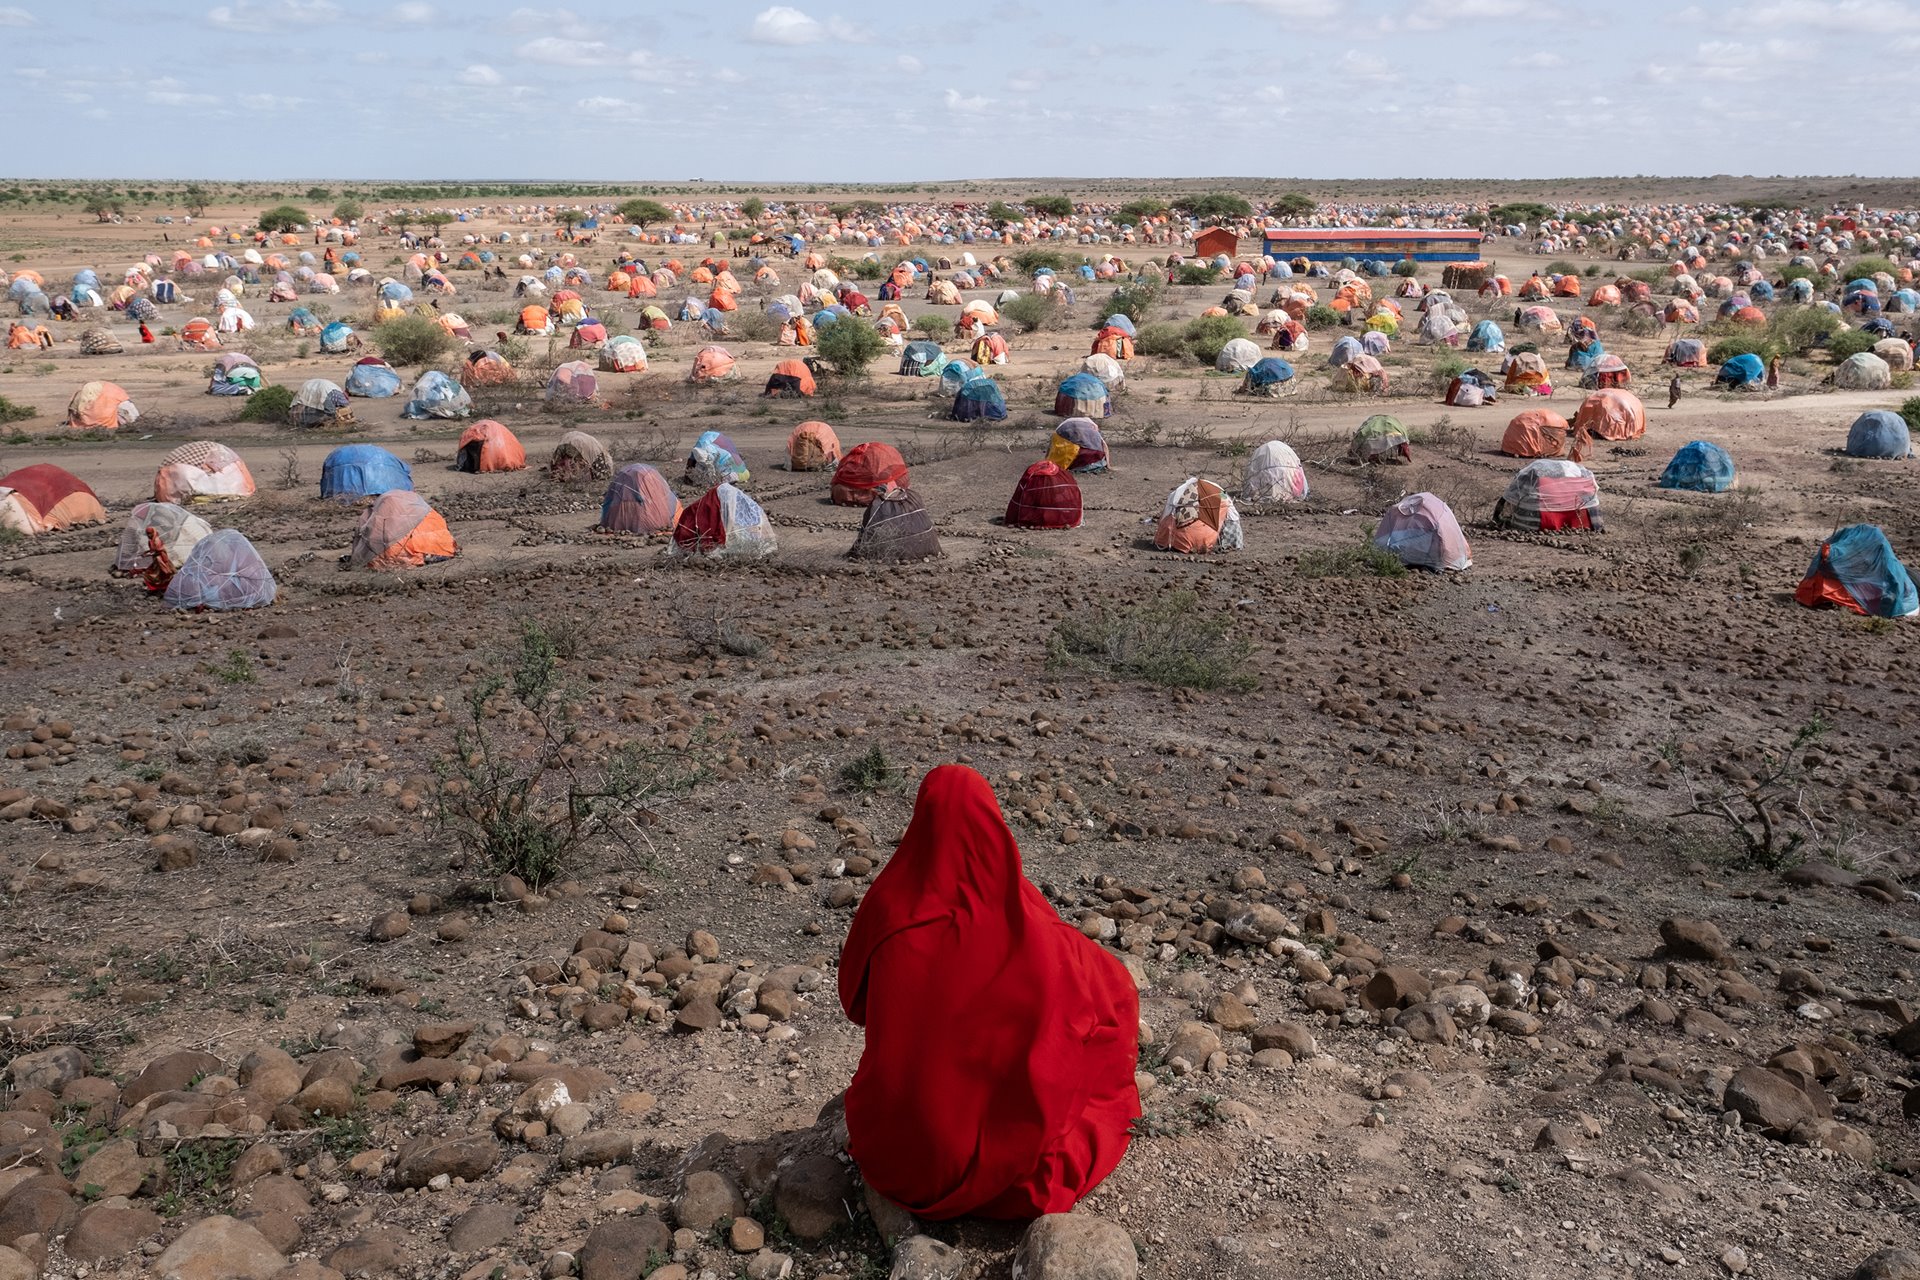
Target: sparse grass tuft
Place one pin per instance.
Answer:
(1363, 561)
(871, 771)
(1170, 641)
(235, 668)
(268, 404)
(11, 412)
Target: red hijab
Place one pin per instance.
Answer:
(997, 1078)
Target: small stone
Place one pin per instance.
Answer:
(441, 1039)
(1075, 1246)
(1693, 940)
(482, 1227)
(706, 1199)
(1734, 1259)
(1768, 1099)
(389, 926)
(109, 1229)
(924, 1258)
(813, 1194)
(470, 1156)
(623, 1248)
(746, 1236)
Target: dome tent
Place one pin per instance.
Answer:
(712, 364)
(1863, 371)
(101, 406)
(1879, 433)
(435, 395)
(979, 400)
(488, 446)
(177, 529)
(1612, 414)
(922, 359)
(1082, 395)
(896, 528)
(572, 384)
(715, 458)
(400, 531)
(867, 469)
(1550, 494)
(724, 522)
(223, 572)
(362, 471)
(1198, 516)
(318, 403)
(43, 498)
(624, 354)
(790, 380)
(202, 471)
(1421, 532)
(1078, 446)
(1380, 438)
(1702, 466)
(1744, 372)
(812, 446)
(1237, 356)
(234, 374)
(1274, 474)
(1687, 353)
(1856, 569)
(372, 378)
(1271, 376)
(1536, 433)
(639, 501)
(579, 456)
(1047, 497)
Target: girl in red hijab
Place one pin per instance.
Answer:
(997, 1078)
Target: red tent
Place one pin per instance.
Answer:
(867, 469)
(1046, 498)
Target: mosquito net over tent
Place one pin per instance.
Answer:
(1082, 395)
(401, 531)
(724, 523)
(1550, 494)
(624, 354)
(202, 471)
(1270, 376)
(177, 530)
(362, 471)
(489, 446)
(639, 500)
(979, 400)
(1198, 516)
(896, 528)
(1702, 466)
(1047, 497)
(1856, 569)
(715, 458)
(222, 572)
(1274, 474)
(573, 383)
(812, 446)
(1421, 531)
(867, 469)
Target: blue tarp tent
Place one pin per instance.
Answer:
(1268, 373)
(1857, 569)
(1486, 336)
(1343, 351)
(979, 399)
(373, 379)
(394, 291)
(1741, 371)
(1700, 465)
(922, 359)
(436, 395)
(336, 337)
(362, 471)
(1586, 356)
(1122, 322)
(1879, 433)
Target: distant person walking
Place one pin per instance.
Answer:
(1773, 373)
(1673, 391)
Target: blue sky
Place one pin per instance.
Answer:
(862, 90)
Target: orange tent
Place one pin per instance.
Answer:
(1612, 414)
(721, 300)
(712, 364)
(401, 531)
(1535, 433)
(812, 447)
(488, 446)
(866, 470)
(790, 378)
(100, 406)
(1567, 286)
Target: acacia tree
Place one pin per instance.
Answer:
(1052, 206)
(752, 207)
(193, 198)
(642, 212)
(1294, 206)
(1215, 206)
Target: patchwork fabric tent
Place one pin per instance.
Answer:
(1856, 569)
(234, 374)
(1274, 474)
(319, 403)
(724, 522)
(812, 446)
(401, 531)
(1486, 336)
(1047, 497)
(1612, 414)
(979, 400)
(1082, 395)
(1380, 438)
(489, 446)
(1550, 494)
(202, 471)
(1078, 446)
(573, 383)
(1688, 353)
(372, 378)
(712, 364)
(580, 456)
(1863, 371)
(639, 501)
(1879, 433)
(715, 458)
(1198, 516)
(922, 359)
(222, 572)
(43, 498)
(867, 469)
(1471, 389)
(337, 337)
(362, 471)
(1525, 372)
(486, 369)
(1422, 532)
(1702, 466)
(1271, 376)
(896, 528)
(1608, 371)
(1536, 433)
(435, 395)
(176, 529)
(101, 406)
(624, 354)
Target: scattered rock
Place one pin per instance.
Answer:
(1075, 1246)
(813, 1194)
(108, 1229)
(924, 1258)
(624, 1248)
(470, 1156)
(1693, 940)
(1769, 1100)
(482, 1227)
(219, 1248)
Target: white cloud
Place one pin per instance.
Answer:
(1313, 12)
(909, 64)
(1270, 93)
(1428, 15)
(247, 15)
(269, 102)
(1355, 65)
(559, 22)
(413, 13)
(372, 57)
(1841, 15)
(168, 92)
(559, 51)
(783, 24)
(30, 73)
(1543, 59)
(601, 103)
(481, 74)
(12, 17)
(849, 32)
(961, 104)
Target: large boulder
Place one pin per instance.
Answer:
(219, 1248)
(1075, 1246)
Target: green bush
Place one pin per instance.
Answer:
(1052, 206)
(1170, 641)
(1446, 369)
(1561, 267)
(1739, 344)
(1322, 316)
(1031, 260)
(411, 339)
(1870, 267)
(1850, 343)
(268, 404)
(849, 345)
(283, 217)
(1161, 340)
(1363, 561)
(1641, 324)
(11, 412)
(1132, 300)
(1406, 267)
(1032, 312)
(1196, 273)
(1799, 272)
(1910, 410)
(936, 327)
(1797, 330)
(753, 326)
(1207, 334)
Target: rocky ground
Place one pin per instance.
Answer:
(1435, 980)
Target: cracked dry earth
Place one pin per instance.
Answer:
(1436, 983)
